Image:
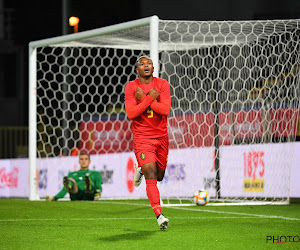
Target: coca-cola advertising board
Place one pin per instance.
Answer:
(14, 178)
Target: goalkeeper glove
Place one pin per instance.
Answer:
(51, 198)
(97, 195)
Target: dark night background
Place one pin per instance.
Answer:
(25, 21)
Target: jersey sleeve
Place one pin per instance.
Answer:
(130, 94)
(133, 109)
(164, 105)
(61, 193)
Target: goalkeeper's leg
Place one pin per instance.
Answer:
(89, 186)
(51, 198)
(90, 189)
(70, 185)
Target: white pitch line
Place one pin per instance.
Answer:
(236, 213)
(240, 215)
(94, 219)
(214, 211)
(72, 219)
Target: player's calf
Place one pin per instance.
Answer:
(88, 184)
(67, 184)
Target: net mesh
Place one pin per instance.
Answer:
(235, 102)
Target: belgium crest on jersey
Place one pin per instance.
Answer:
(143, 156)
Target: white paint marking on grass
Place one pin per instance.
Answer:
(214, 211)
(73, 219)
(240, 215)
(236, 213)
(94, 219)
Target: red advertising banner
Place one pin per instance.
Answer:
(193, 130)
(100, 137)
(284, 122)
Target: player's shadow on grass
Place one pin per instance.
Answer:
(129, 236)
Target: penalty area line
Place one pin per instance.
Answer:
(236, 213)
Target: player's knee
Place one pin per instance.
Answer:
(149, 171)
(150, 175)
(160, 175)
(160, 178)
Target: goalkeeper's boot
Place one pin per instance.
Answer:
(138, 176)
(67, 184)
(51, 198)
(163, 222)
(97, 195)
(88, 183)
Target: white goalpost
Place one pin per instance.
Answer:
(235, 104)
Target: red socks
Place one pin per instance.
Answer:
(153, 195)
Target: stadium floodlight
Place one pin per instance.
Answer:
(235, 100)
(73, 21)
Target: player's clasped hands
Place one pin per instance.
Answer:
(139, 93)
(154, 93)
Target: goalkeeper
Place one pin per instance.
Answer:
(83, 184)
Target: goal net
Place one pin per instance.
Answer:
(233, 121)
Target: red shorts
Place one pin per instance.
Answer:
(152, 150)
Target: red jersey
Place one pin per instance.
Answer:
(149, 116)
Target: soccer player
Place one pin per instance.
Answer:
(83, 184)
(147, 104)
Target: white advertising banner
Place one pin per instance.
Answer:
(295, 173)
(14, 178)
(245, 171)
(188, 170)
(117, 172)
(259, 170)
(50, 173)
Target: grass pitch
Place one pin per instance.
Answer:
(132, 225)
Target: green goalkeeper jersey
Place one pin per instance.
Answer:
(78, 176)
